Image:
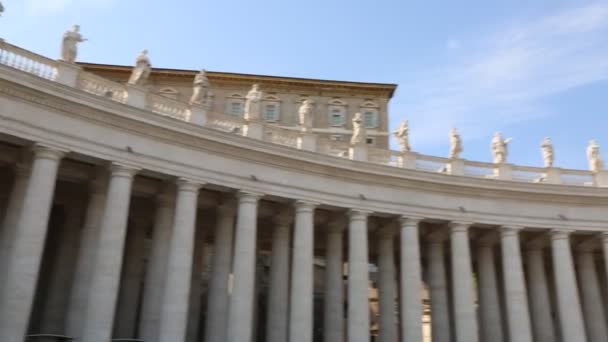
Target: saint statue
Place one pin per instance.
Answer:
(499, 148)
(305, 115)
(547, 150)
(359, 132)
(403, 136)
(596, 163)
(142, 69)
(252, 103)
(200, 89)
(455, 144)
(69, 45)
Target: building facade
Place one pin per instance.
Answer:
(129, 215)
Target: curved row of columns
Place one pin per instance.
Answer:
(231, 311)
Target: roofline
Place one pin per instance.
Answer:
(390, 87)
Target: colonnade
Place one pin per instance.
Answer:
(481, 286)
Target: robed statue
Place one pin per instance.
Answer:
(596, 163)
(141, 72)
(200, 89)
(500, 149)
(455, 144)
(359, 132)
(69, 44)
(403, 136)
(305, 113)
(253, 103)
(547, 151)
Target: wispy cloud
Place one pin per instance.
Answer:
(46, 7)
(502, 76)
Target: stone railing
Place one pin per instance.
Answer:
(100, 86)
(24, 60)
(72, 75)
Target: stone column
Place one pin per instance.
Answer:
(89, 239)
(277, 321)
(240, 315)
(55, 307)
(516, 297)
(217, 303)
(197, 290)
(595, 316)
(489, 302)
(154, 283)
(387, 283)
(302, 274)
(125, 324)
(101, 303)
(28, 245)
(568, 303)
(440, 304)
(465, 318)
(174, 310)
(411, 281)
(358, 325)
(11, 217)
(604, 241)
(333, 325)
(540, 303)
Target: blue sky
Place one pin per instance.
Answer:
(527, 69)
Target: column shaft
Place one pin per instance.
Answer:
(89, 239)
(240, 316)
(465, 318)
(154, 283)
(358, 326)
(387, 286)
(411, 282)
(302, 275)
(105, 280)
(595, 316)
(217, 303)
(516, 297)
(568, 302)
(201, 253)
(278, 294)
(25, 256)
(489, 302)
(440, 304)
(540, 303)
(174, 311)
(334, 284)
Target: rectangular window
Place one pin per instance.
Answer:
(337, 117)
(270, 112)
(369, 119)
(236, 109)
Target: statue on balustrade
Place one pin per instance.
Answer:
(596, 163)
(455, 144)
(359, 132)
(500, 148)
(200, 90)
(142, 69)
(305, 113)
(69, 45)
(547, 150)
(403, 136)
(253, 103)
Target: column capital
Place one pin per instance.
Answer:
(337, 224)
(510, 230)
(304, 206)
(358, 215)
(248, 196)
(227, 208)
(459, 226)
(48, 152)
(487, 240)
(22, 168)
(604, 237)
(386, 232)
(187, 185)
(165, 196)
(409, 221)
(560, 234)
(284, 218)
(120, 170)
